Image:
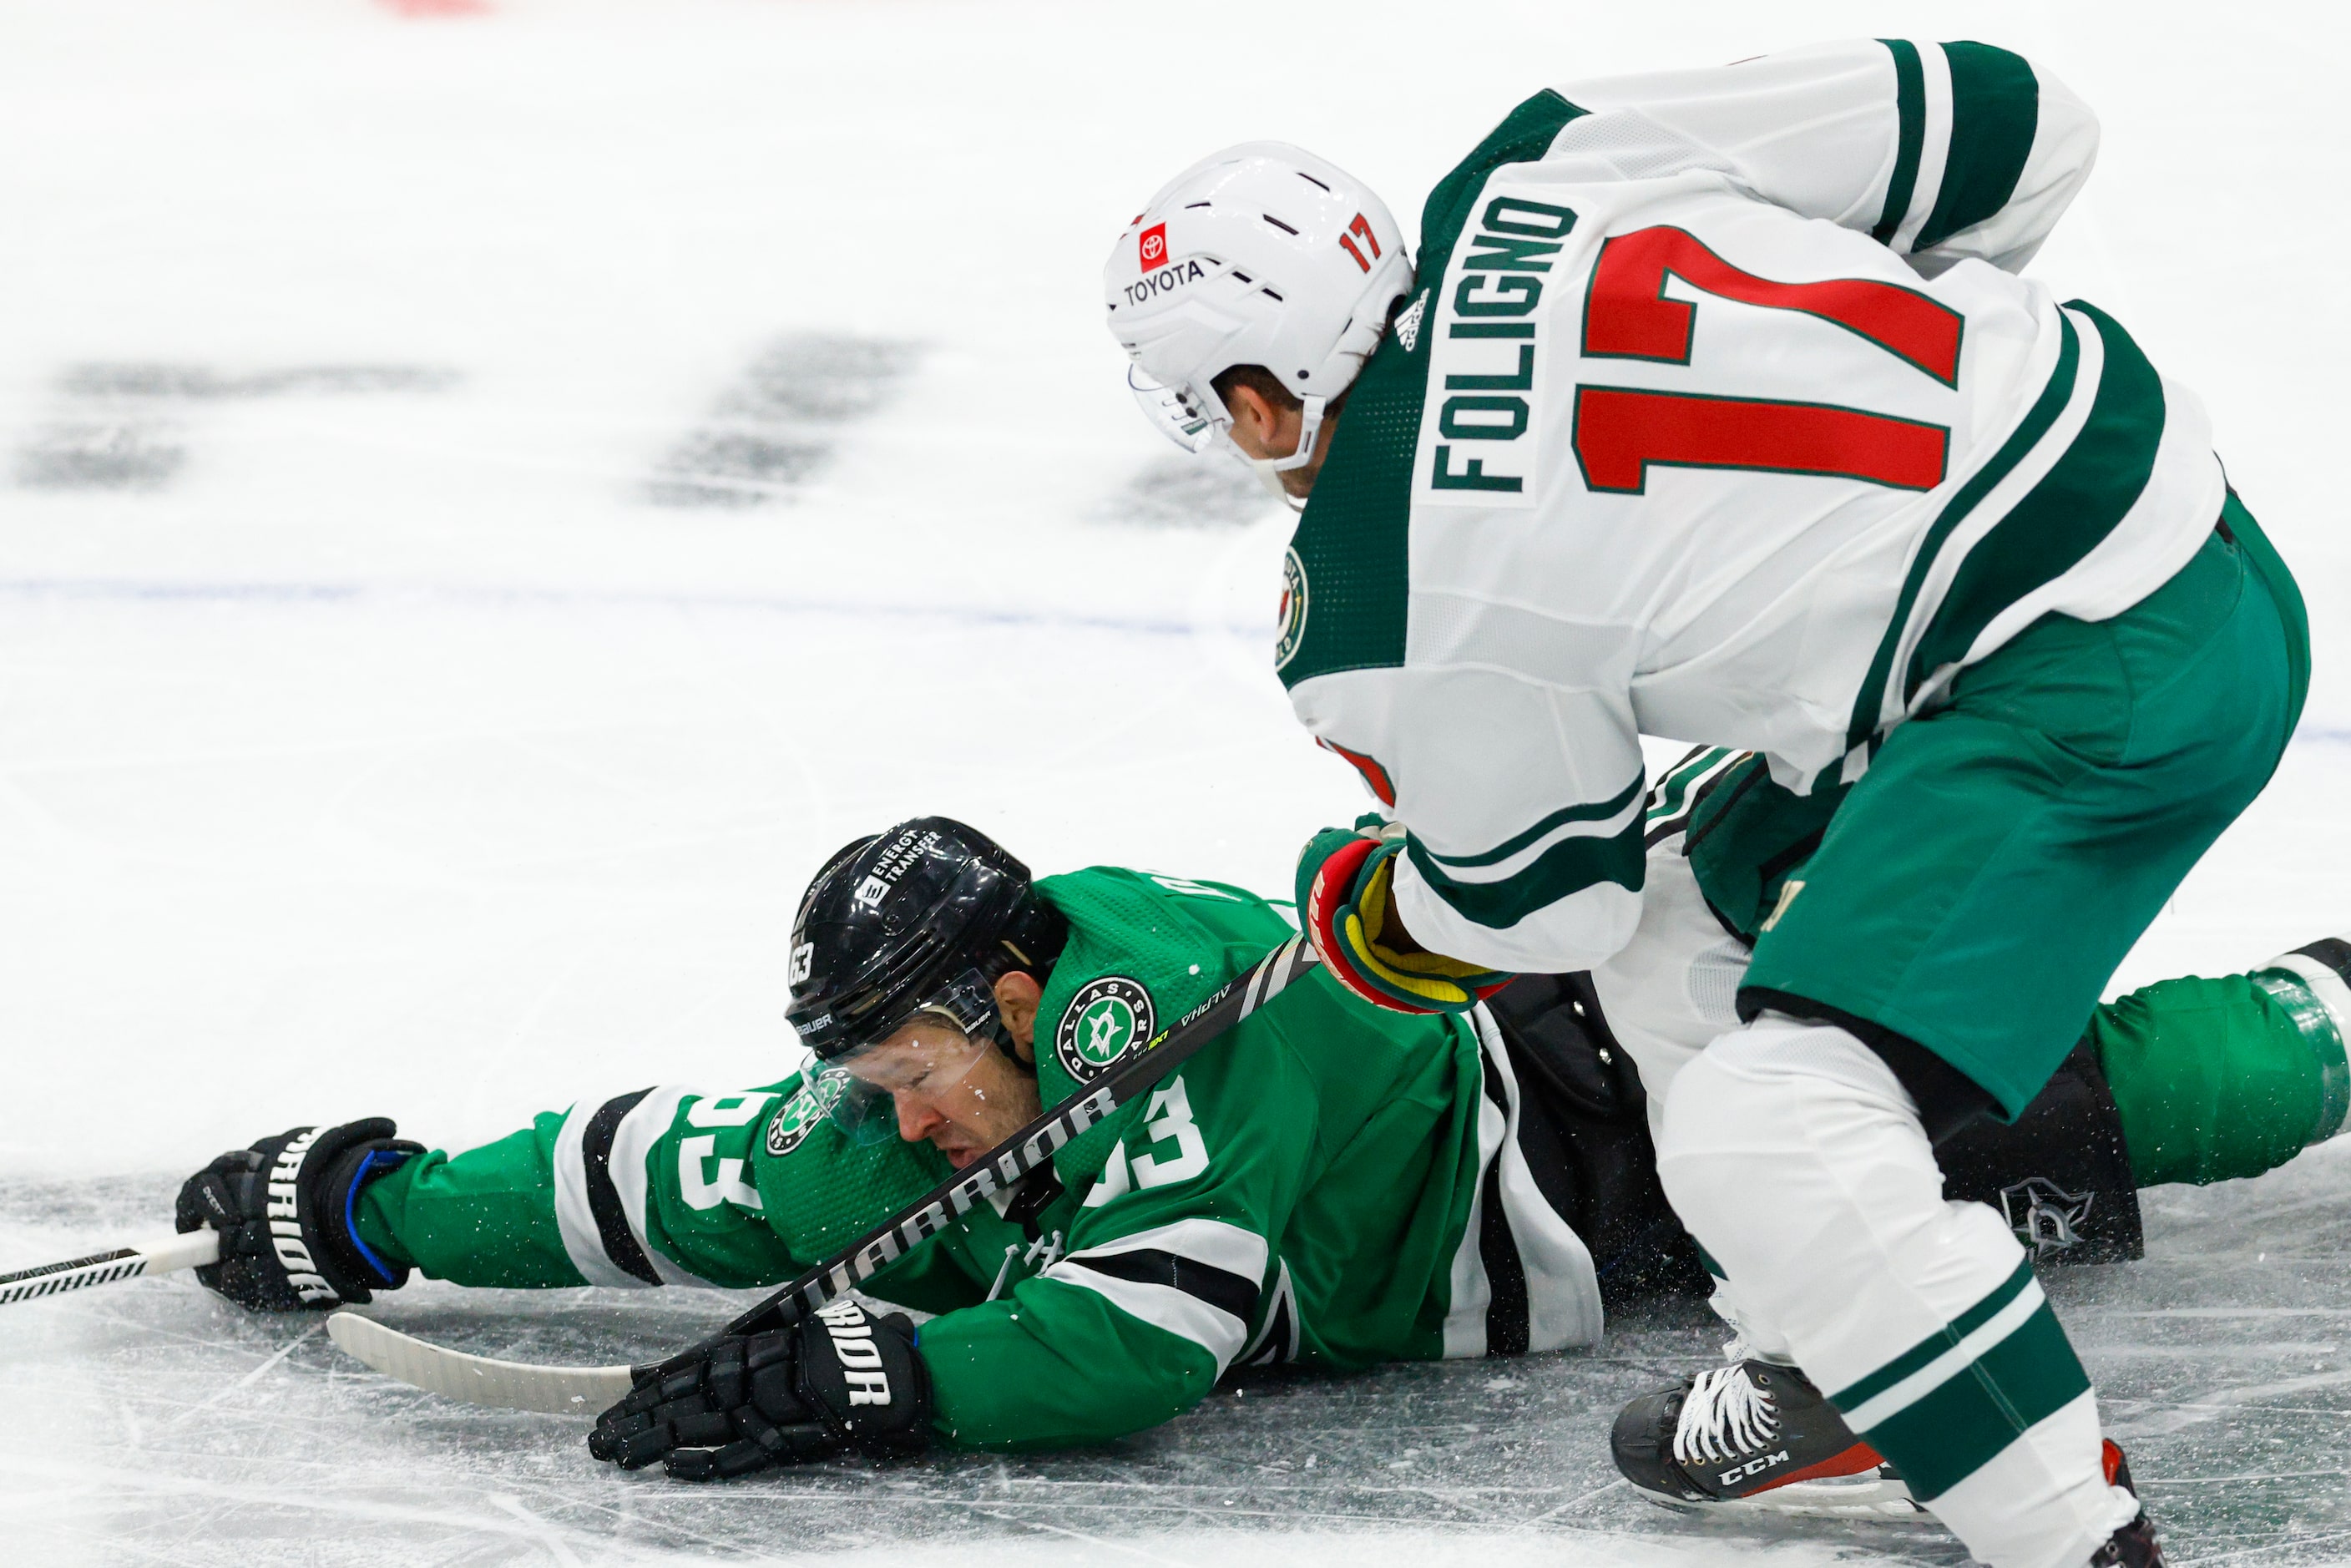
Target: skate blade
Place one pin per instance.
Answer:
(1871, 1495)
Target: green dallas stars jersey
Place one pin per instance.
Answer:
(1326, 1184)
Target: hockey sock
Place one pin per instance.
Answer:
(1798, 1161)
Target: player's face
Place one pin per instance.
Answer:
(962, 1096)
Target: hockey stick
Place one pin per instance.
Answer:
(516, 1385)
(192, 1250)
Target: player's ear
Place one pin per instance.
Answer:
(1017, 993)
(1256, 421)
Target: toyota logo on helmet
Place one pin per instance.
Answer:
(1260, 255)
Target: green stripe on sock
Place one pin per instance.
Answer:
(1941, 1439)
(1995, 112)
(1936, 1344)
(1910, 113)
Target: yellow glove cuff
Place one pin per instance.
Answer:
(1425, 975)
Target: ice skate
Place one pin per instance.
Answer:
(1754, 1436)
(2134, 1544)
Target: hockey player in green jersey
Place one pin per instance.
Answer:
(1331, 1185)
(1718, 410)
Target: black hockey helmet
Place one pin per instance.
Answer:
(924, 917)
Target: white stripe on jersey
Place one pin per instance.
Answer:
(1563, 1287)
(1636, 805)
(2113, 576)
(1934, 146)
(1663, 824)
(1472, 1293)
(1212, 1243)
(1989, 512)
(574, 1220)
(632, 1142)
(1218, 1244)
(1278, 1315)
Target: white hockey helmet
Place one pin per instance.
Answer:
(1260, 255)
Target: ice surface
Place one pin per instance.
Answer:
(377, 732)
(178, 1429)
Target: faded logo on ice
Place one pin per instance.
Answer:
(2046, 1218)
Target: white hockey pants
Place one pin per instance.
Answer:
(1797, 1160)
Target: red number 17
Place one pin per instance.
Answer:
(1621, 431)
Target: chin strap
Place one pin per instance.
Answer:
(1010, 1048)
(1270, 469)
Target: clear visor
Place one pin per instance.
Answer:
(929, 1052)
(1175, 413)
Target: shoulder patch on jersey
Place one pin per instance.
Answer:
(798, 1116)
(1106, 1018)
(1293, 608)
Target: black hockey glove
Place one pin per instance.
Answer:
(844, 1379)
(284, 1208)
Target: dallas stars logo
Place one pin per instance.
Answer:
(1106, 1019)
(799, 1115)
(1105, 1029)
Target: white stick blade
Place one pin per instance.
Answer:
(477, 1379)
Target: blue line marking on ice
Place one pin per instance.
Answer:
(123, 591)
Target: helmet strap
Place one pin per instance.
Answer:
(1269, 470)
(1010, 1048)
(1310, 428)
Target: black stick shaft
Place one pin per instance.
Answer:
(187, 1250)
(1029, 1147)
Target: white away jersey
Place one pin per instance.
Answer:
(1714, 415)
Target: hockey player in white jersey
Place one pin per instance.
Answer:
(1716, 409)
